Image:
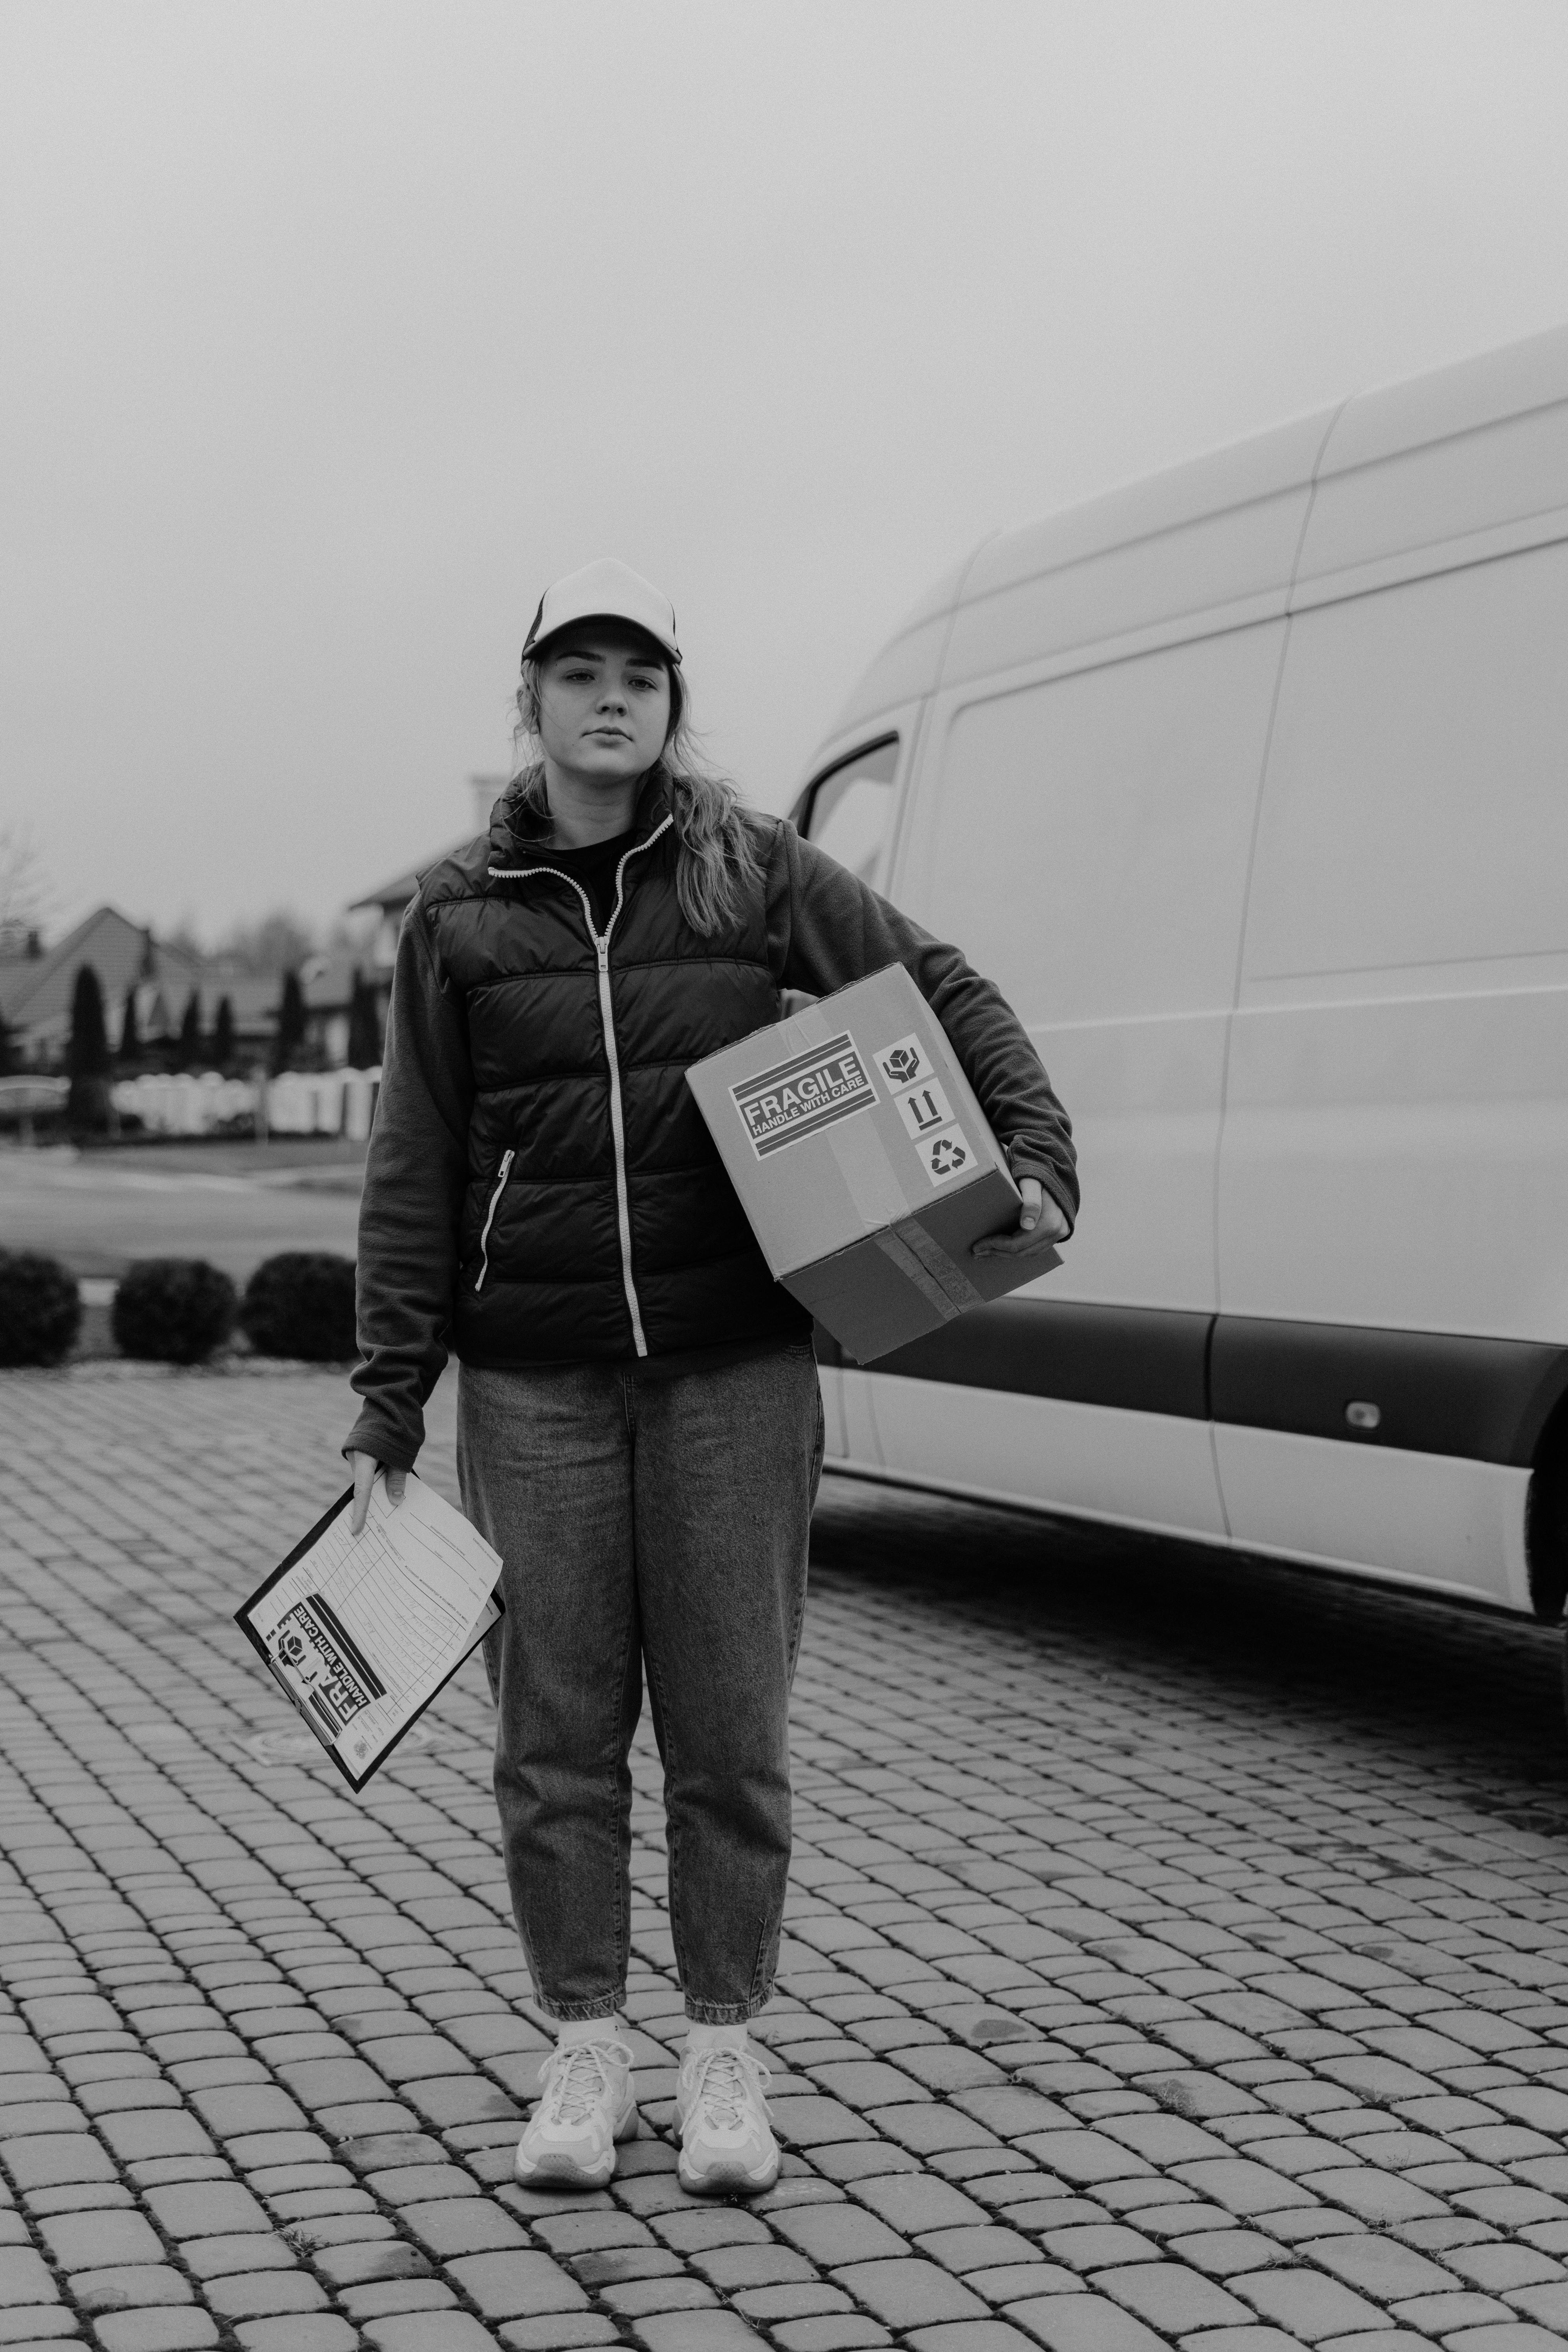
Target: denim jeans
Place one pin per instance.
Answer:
(659, 1523)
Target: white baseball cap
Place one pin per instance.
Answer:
(603, 591)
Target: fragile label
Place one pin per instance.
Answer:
(947, 1155)
(905, 1064)
(803, 1094)
(316, 1659)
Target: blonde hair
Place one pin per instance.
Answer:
(715, 862)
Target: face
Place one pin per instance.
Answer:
(604, 703)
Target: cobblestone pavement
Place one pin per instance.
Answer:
(1178, 1952)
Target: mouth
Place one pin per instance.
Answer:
(610, 734)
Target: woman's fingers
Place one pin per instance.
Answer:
(1040, 1223)
(364, 1469)
(365, 1466)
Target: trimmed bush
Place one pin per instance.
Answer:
(173, 1310)
(301, 1302)
(40, 1308)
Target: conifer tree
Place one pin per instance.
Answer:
(291, 1032)
(88, 1058)
(223, 1035)
(130, 1031)
(87, 1055)
(188, 1053)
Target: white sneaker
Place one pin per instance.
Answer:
(586, 2105)
(726, 2146)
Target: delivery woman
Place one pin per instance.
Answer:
(639, 1417)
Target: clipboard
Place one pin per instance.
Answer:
(361, 1632)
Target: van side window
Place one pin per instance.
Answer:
(849, 810)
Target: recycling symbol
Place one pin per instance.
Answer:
(903, 1063)
(946, 1156)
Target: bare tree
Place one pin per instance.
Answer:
(26, 894)
(279, 942)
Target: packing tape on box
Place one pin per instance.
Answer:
(939, 1279)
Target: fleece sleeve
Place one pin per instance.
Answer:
(414, 1181)
(826, 928)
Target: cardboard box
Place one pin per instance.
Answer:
(865, 1164)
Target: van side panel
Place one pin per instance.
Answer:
(1426, 1519)
(1138, 1469)
(1085, 841)
(1397, 1121)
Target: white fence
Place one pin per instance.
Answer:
(300, 1102)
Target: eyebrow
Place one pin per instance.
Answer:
(586, 653)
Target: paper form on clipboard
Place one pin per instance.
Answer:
(361, 1632)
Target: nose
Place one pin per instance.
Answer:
(612, 697)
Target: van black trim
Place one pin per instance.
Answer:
(800, 815)
(1435, 1392)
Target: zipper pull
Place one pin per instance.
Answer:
(604, 947)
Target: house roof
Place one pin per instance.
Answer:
(36, 991)
(394, 896)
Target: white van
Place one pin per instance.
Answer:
(1249, 787)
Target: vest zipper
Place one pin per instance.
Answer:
(607, 1017)
(505, 1171)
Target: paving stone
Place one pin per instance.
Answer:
(908, 2293)
(322, 2332)
(1084, 2323)
(510, 2285)
(25, 2277)
(205, 2208)
(1380, 2266)
(429, 2331)
(1271, 2339)
(558, 2332)
(732, 2269)
(982, 2246)
(452, 2226)
(122, 2287)
(36, 2328)
(833, 2335)
(707, 2331)
(970, 2335)
(1307, 2304)
(168, 2330)
(356, 2263)
(79, 2242)
(1506, 2336)
(914, 2202)
(49, 2160)
(838, 2234)
(222, 2257)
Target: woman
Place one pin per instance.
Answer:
(639, 1417)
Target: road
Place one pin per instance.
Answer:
(233, 1206)
(1177, 1951)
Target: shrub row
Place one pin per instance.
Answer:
(176, 1311)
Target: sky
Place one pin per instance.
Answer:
(334, 332)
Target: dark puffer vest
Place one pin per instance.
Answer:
(597, 1219)
(541, 1186)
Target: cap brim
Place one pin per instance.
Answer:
(533, 646)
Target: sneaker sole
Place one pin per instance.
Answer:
(727, 2179)
(565, 2172)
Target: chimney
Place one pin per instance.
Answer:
(487, 791)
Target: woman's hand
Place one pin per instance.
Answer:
(1040, 1222)
(365, 1466)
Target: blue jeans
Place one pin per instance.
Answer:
(648, 1522)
